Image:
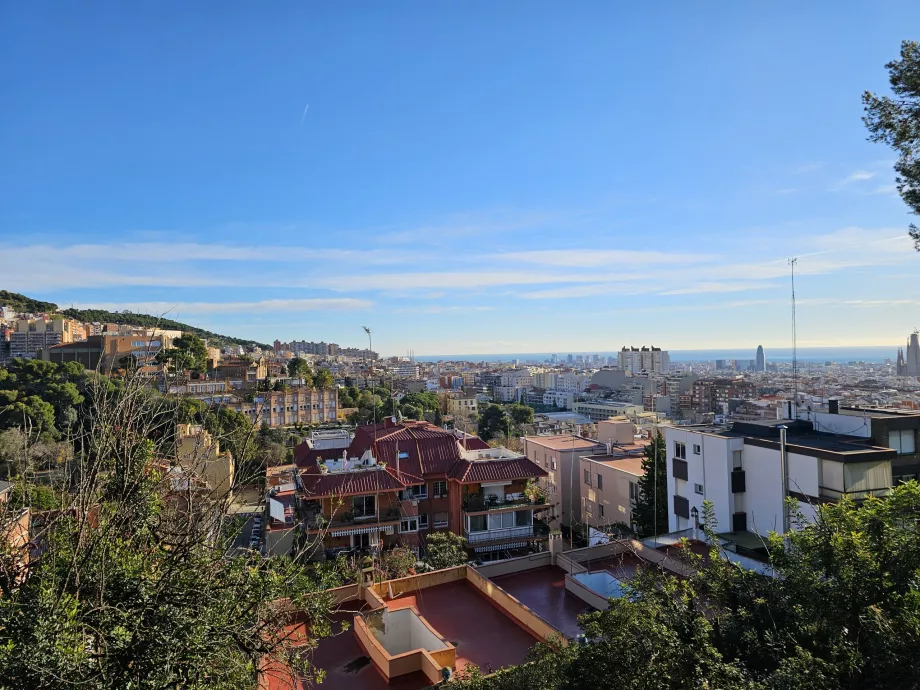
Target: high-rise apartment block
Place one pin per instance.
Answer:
(650, 359)
(31, 335)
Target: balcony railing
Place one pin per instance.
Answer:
(474, 503)
(537, 529)
(349, 519)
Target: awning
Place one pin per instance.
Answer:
(501, 547)
(386, 529)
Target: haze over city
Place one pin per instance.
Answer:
(467, 179)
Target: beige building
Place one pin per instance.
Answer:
(199, 454)
(560, 457)
(28, 336)
(465, 411)
(610, 486)
(301, 405)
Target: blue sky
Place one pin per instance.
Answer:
(470, 177)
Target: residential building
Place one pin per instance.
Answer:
(397, 482)
(297, 405)
(885, 427)
(739, 468)
(198, 453)
(464, 409)
(559, 456)
(29, 336)
(108, 352)
(599, 410)
(610, 487)
(651, 359)
(407, 370)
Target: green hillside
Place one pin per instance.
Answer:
(24, 304)
(27, 304)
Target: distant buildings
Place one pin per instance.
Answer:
(760, 360)
(28, 336)
(909, 362)
(651, 359)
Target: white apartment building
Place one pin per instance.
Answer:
(559, 398)
(651, 359)
(740, 470)
(407, 370)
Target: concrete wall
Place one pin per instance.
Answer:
(587, 595)
(404, 631)
(413, 583)
(516, 565)
(526, 618)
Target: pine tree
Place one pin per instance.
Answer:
(654, 480)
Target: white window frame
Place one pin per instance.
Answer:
(698, 488)
(423, 521)
(408, 525)
(434, 489)
(680, 450)
(697, 449)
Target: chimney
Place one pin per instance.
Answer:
(833, 406)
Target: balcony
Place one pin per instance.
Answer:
(536, 530)
(680, 470)
(474, 503)
(346, 519)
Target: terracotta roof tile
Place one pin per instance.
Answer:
(349, 483)
(474, 471)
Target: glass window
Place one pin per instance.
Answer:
(507, 520)
(440, 519)
(523, 518)
(477, 523)
(495, 521)
(364, 506)
(439, 489)
(588, 477)
(696, 448)
(680, 450)
(600, 482)
(409, 525)
(423, 521)
(600, 508)
(902, 441)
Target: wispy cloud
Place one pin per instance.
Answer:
(858, 176)
(168, 309)
(596, 258)
(719, 287)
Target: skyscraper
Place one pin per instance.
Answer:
(760, 362)
(909, 362)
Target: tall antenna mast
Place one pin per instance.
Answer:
(795, 366)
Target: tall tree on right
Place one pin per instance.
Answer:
(896, 122)
(653, 483)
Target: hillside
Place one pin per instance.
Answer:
(27, 304)
(24, 304)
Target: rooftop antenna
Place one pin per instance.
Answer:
(795, 367)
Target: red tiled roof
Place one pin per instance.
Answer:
(349, 483)
(474, 471)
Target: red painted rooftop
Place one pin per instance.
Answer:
(482, 634)
(543, 591)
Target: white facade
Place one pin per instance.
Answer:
(714, 460)
(644, 359)
(601, 410)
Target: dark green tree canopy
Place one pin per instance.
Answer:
(653, 483)
(896, 121)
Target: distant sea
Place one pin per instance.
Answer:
(875, 354)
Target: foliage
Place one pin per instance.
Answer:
(323, 379)
(493, 421)
(299, 368)
(644, 513)
(35, 496)
(42, 395)
(395, 563)
(134, 585)
(445, 550)
(187, 353)
(896, 122)
(521, 414)
(147, 321)
(842, 611)
(23, 304)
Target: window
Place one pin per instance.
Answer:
(439, 489)
(409, 525)
(698, 488)
(554, 463)
(634, 491)
(902, 441)
(600, 482)
(477, 523)
(588, 477)
(423, 521)
(364, 506)
(502, 520)
(600, 510)
(696, 448)
(523, 518)
(440, 520)
(680, 450)
(415, 492)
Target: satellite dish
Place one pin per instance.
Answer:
(393, 419)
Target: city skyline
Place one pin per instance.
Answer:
(456, 199)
